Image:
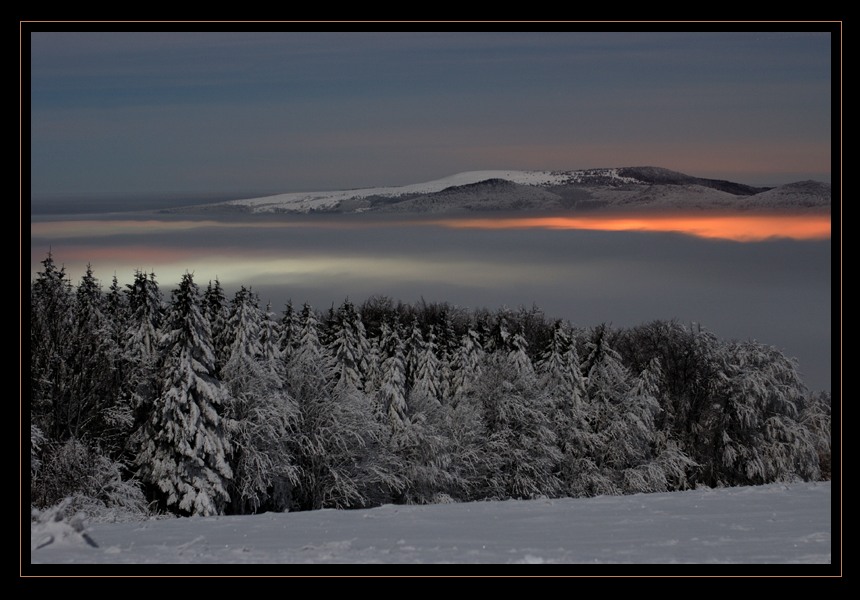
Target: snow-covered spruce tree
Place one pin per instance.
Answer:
(446, 349)
(589, 454)
(753, 426)
(96, 411)
(466, 366)
(424, 456)
(498, 336)
(270, 336)
(552, 365)
(421, 453)
(88, 427)
(532, 325)
(290, 330)
(146, 309)
(184, 450)
(338, 443)
(373, 374)
(141, 357)
(640, 459)
(467, 459)
(118, 317)
(521, 455)
(391, 397)
(412, 348)
(117, 312)
(484, 329)
(560, 376)
(426, 386)
(259, 414)
(349, 347)
(622, 450)
(216, 311)
(518, 356)
(561, 370)
(51, 302)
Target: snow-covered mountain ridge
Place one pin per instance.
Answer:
(580, 190)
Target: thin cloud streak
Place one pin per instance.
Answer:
(738, 228)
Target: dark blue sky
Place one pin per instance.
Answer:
(221, 113)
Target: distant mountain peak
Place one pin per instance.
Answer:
(646, 187)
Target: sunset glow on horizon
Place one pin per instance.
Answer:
(733, 227)
(738, 228)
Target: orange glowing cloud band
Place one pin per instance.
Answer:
(736, 227)
(741, 228)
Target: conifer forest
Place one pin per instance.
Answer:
(186, 401)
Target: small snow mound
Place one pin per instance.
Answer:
(530, 559)
(56, 525)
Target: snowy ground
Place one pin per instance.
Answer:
(773, 524)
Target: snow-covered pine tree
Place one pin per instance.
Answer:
(117, 312)
(424, 458)
(259, 414)
(560, 376)
(309, 346)
(639, 458)
(425, 392)
(416, 450)
(468, 461)
(146, 310)
(365, 357)
(216, 312)
(522, 454)
(349, 347)
(518, 356)
(413, 346)
(290, 330)
(338, 443)
(95, 411)
(141, 355)
(589, 455)
(467, 365)
(373, 375)
(270, 336)
(51, 301)
(184, 448)
(446, 349)
(484, 331)
(627, 449)
(391, 398)
(552, 365)
(607, 379)
(500, 333)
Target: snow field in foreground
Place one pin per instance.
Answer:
(774, 524)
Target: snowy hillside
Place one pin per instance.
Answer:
(588, 189)
(306, 202)
(803, 194)
(770, 524)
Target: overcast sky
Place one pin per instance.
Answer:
(223, 113)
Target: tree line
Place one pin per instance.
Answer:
(196, 404)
